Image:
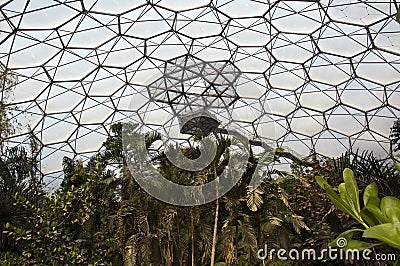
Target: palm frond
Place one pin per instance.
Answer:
(367, 169)
(298, 223)
(254, 198)
(152, 137)
(248, 238)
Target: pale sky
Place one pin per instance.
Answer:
(310, 73)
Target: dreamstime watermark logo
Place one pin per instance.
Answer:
(330, 253)
(193, 97)
(341, 242)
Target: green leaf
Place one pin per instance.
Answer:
(390, 207)
(352, 189)
(370, 191)
(345, 241)
(347, 235)
(321, 181)
(369, 217)
(343, 193)
(374, 201)
(377, 213)
(359, 245)
(388, 233)
(397, 165)
(338, 202)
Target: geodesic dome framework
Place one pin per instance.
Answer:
(325, 75)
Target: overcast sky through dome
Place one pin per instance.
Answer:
(322, 74)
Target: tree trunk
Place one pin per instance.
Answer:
(192, 239)
(214, 244)
(129, 256)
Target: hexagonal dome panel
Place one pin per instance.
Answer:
(322, 76)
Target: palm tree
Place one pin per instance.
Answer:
(367, 169)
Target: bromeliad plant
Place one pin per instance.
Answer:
(380, 217)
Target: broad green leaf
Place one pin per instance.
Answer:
(345, 241)
(374, 201)
(393, 215)
(370, 191)
(337, 201)
(359, 245)
(390, 207)
(388, 233)
(377, 213)
(352, 189)
(369, 217)
(343, 193)
(321, 181)
(347, 235)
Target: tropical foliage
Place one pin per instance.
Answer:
(101, 216)
(379, 217)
